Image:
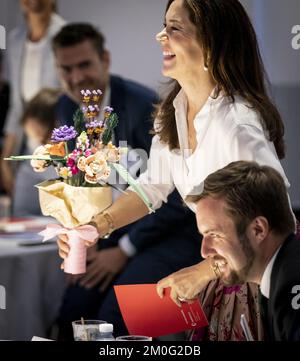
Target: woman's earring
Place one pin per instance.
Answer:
(206, 61)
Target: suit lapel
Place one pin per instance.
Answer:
(274, 279)
(117, 87)
(265, 314)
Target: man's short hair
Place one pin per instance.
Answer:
(76, 33)
(250, 190)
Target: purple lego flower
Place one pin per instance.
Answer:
(95, 124)
(108, 110)
(86, 92)
(63, 134)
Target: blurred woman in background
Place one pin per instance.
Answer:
(31, 67)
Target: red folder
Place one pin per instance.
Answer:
(145, 313)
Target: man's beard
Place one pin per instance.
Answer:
(241, 276)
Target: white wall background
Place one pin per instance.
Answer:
(130, 27)
(274, 20)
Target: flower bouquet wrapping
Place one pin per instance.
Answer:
(82, 189)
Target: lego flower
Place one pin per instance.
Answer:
(57, 149)
(91, 111)
(81, 163)
(63, 134)
(94, 124)
(64, 172)
(88, 152)
(112, 153)
(107, 112)
(71, 163)
(40, 165)
(86, 95)
(96, 168)
(82, 141)
(96, 95)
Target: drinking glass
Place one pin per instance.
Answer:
(87, 330)
(134, 338)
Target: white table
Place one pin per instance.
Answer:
(34, 285)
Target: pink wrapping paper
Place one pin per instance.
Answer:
(75, 263)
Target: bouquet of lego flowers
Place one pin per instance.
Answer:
(81, 190)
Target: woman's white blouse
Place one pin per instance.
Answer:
(225, 132)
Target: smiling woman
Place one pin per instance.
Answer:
(181, 49)
(216, 43)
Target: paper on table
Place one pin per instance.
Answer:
(36, 338)
(146, 314)
(15, 225)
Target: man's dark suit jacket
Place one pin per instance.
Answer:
(173, 226)
(283, 318)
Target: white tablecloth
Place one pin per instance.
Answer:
(34, 285)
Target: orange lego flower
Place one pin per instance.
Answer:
(57, 149)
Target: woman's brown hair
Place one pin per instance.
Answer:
(232, 55)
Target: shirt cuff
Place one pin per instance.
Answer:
(126, 246)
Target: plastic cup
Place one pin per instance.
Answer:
(87, 331)
(134, 338)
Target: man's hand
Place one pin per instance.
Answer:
(187, 283)
(102, 267)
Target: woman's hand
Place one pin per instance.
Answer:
(187, 283)
(64, 248)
